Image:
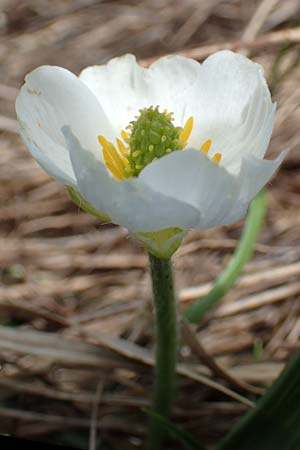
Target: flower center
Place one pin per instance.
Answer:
(149, 137)
(152, 135)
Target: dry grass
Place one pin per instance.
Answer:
(74, 294)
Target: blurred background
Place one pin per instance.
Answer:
(75, 303)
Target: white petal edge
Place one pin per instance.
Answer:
(130, 203)
(50, 98)
(254, 175)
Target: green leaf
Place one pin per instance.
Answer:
(274, 424)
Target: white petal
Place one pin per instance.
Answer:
(191, 177)
(254, 175)
(231, 105)
(120, 87)
(130, 203)
(123, 87)
(172, 81)
(50, 98)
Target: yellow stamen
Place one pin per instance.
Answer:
(112, 158)
(217, 158)
(206, 146)
(124, 135)
(125, 161)
(187, 129)
(129, 156)
(115, 156)
(110, 164)
(122, 147)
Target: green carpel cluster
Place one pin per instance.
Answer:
(152, 135)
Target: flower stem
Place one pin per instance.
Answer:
(242, 254)
(166, 348)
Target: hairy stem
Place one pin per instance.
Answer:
(166, 349)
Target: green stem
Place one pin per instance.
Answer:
(166, 348)
(241, 255)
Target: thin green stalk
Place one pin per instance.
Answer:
(242, 254)
(166, 349)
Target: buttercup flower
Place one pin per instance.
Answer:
(159, 150)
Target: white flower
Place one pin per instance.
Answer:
(198, 167)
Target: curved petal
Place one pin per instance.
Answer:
(232, 106)
(123, 87)
(51, 98)
(120, 87)
(173, 79)
(191, 177)
(254, 174)
(130, 203)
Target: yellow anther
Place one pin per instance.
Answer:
(102, 141)
(112, 159)
(187, 129)
(110, 164)
(116, 157)
(124, 135)
(122, 147)
(125, 161)
(217, 158)
(206, 146)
